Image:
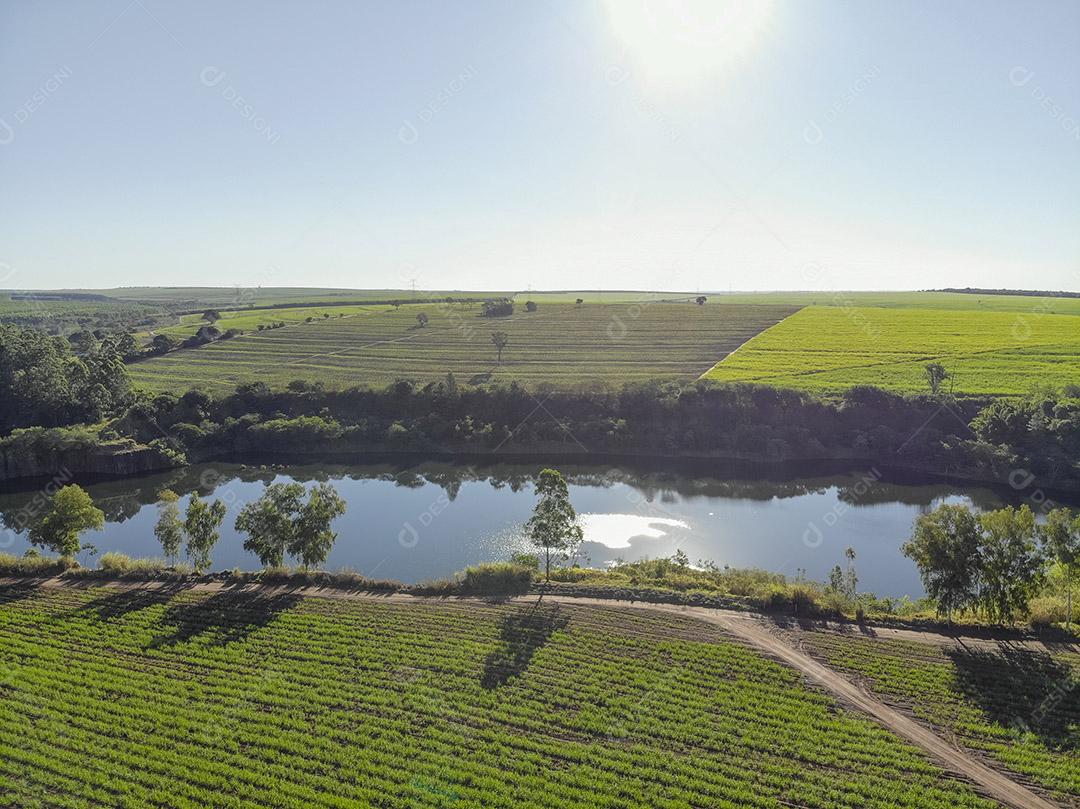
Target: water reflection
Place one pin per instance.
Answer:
(412, 522)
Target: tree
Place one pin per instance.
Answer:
(935, 376)
(1061, 540)
(945, 547)
(71, 511)
(851, 581)
(201, 526)
(211, 316)
(169, 528)
(422, 319)
(312, 537)
(268, 522)
(553, 526)
(700, 300)
(530, 306)
(579, 301)
(497, 307)
(500, 339)
(162, 344)
(1012, 567)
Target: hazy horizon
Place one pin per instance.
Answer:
(692, 145)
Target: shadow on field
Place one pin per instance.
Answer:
(9, 594)
(227, 617)
(1024, 690)
(118, 604)
(523, 632)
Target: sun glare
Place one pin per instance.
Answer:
(677, 42)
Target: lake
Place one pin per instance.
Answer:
(413, 522)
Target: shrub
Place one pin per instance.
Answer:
(498, 578)
(33, 564)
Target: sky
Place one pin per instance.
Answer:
(705, 145)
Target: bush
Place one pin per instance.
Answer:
(120, 563)
(33, 564)
(1046, 611)
(498, 578)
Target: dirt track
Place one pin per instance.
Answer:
(747, 627)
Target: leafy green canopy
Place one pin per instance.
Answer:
(44, 382)
(201, 526)
(280, 522)
(71, 512)
(553, 526)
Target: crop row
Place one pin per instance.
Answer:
(559, 343)
(1021, 707)
(237, 700)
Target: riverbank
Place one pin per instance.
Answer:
(799, 604)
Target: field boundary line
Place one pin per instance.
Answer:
(745, 343)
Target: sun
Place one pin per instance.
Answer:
(678, 42)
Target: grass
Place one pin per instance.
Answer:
(565, 345)
(116, 698)
(1020, 708)
(827, 349)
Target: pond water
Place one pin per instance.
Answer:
(422, 521)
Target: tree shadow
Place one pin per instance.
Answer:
(123, 602)
(11, 593)
(227, 617)
(1023, 689)
(522, 633)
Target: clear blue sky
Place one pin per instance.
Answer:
(704, 144)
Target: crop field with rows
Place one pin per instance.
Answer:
(232, 699)
(1020, 708)
(985, 352)
(564, 345)
(250, 319)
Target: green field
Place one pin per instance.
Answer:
(1018, 707)
(115, 698)
(986, 352)
(593, 345)
(909, 300)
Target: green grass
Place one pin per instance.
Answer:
(602, 345)
(1020, 708)
(832, 348)
(231, 700)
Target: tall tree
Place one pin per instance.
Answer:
(71, 512)
(312, 537)
(1061, 538)
(422, 319)
(935, 376)
(553, 526)
(945, 547)
(1012, 566)
(169, 528)
(202, 526)
(500, 339)
(268, 522)
(851, 579)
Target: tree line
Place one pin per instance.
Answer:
(281, 522)
(975, 438)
